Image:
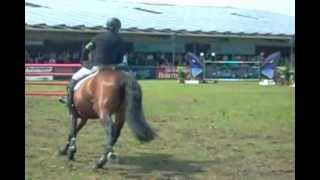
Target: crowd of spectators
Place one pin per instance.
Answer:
(52, 57)
(133, 58)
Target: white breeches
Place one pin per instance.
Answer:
(84, 72)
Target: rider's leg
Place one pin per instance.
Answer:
(70, 87)
(75, 78)
(82, 73)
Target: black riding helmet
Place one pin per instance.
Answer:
(113, 24)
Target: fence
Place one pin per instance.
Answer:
(36, 70)
(212, 70)
(232, 70)
(53, 71)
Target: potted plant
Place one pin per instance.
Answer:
(181, 75)
(283, 75)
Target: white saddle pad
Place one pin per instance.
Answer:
(83, 80)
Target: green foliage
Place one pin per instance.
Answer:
(181, 74)
(284, 74)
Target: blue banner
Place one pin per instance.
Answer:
(195, 63)
(269, 65)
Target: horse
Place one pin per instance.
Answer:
(108, 93)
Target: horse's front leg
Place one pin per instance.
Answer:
(70, 148)
(64, 149)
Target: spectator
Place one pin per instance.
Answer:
(150, 59)
(75, 56)
(261, 57)
(125, 59)
(238, 58)
(179, 59)
(39, 58)
(52, 60)
(66, 57)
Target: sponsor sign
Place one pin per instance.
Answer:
(169, 72)
(38, 70)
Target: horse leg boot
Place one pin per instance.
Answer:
(72, 142)
(111, 139)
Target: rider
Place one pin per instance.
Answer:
(106, 49)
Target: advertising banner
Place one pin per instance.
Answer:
(169, 72)
(38, 70)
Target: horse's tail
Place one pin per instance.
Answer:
(134, 111)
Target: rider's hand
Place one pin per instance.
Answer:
(84, 63)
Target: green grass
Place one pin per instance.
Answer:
(235, 130)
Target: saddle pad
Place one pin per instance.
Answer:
(83, 80)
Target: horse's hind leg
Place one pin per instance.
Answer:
(108, 125)
(113, 130)
(120, 118)
(71, 138)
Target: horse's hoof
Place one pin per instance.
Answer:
(97, 166)
(71, 155)
(101, 162)
(71, 158)
(71, 151)
(112, 158)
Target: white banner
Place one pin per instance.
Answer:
(39, 78)
(34, 43)
(38, 70)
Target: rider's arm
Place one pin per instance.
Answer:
(124, 52)
(89, 47)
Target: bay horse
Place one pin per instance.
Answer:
(108, 93)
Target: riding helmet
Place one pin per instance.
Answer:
(113, 24)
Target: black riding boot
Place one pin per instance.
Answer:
(70, 92)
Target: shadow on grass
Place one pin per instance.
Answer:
(158, 165)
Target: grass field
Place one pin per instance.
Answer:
(209, 131)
